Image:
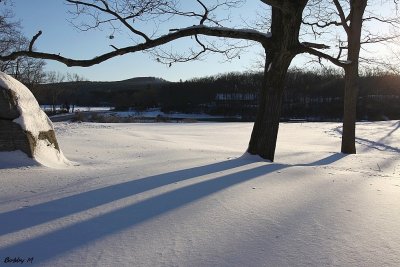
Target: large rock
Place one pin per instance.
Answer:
(23, 125)
(8, 105)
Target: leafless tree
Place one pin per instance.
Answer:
(351, 16)
(27, 70)
(74, 77)
(281, 44)
(55, 77)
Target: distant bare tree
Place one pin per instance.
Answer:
(55, 77)
(28, 70)
(74, 77)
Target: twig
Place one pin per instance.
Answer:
(34, 40)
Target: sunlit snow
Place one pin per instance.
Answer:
(185, 195)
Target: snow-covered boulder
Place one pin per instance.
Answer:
(24, 126)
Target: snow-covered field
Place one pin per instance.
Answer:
(183, 195)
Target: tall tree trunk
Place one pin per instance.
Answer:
(285, 29)
(265, 131)
(350, 110)
(351, 77)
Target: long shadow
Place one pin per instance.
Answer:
(325, 161)
(377, 145)
(374, 144)
(79, 234)
(396, 126)
(16, 220)
(50, 245)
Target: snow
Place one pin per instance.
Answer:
(47, 155)
(33, 120)
(186, 195)
(15, 159)
(78, 108)
(245, 31)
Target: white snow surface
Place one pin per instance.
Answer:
(185, 195)
(33, 120)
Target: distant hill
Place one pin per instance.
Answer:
(95, 93)
(144, 80)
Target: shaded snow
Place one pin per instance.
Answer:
(185, 195)
(15, 159)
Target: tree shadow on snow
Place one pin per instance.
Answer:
(15, 220)
(57, 242)
(378, 145)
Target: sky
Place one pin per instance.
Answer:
(60, 37)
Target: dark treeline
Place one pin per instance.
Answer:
(309, 95)
(124, 94)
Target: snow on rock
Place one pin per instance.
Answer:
(25, 127)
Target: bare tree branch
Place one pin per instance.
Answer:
(315, 45)
(170, 57)
(251, 35)
(322, 24)
(319, 54)
(205, 15)
(342, 16)
(107, 10)
(34, 40)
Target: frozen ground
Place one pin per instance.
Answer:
(183, 195)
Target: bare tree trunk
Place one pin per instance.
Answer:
(352, 77)
(285, 31)
(350, 110)
(265, 130)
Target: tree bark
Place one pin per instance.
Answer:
(350, 110)
(285, 31)
(352, 77)
(265, 131)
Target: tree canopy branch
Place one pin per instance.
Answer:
(251, 35)
(319, 54)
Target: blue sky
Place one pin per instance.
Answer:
(59, 36)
